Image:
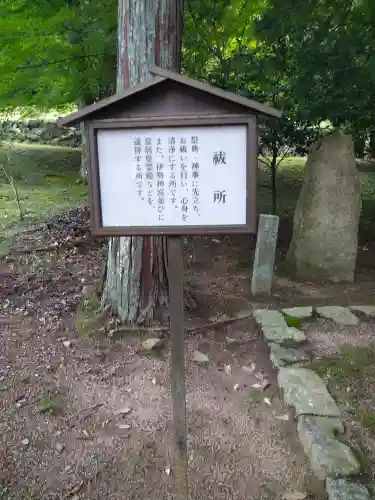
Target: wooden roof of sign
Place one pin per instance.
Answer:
(160, 76)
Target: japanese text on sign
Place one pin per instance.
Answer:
(173, 177)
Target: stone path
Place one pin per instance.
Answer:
(319, 423)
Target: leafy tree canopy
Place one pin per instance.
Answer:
(327, 46)
(56, 52)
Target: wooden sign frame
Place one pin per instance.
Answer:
(176, 122)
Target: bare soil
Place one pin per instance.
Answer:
(89, 417)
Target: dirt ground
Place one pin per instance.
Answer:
(89, 417)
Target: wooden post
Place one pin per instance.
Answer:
(176, 312)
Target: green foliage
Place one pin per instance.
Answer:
(49, 404)
(31, 167)
(56, 52)
(292, 321)
(328, 50)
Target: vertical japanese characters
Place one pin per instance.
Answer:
(139, 171)
(160, 184)
(219, 158)
(167, 174)
(194, 143)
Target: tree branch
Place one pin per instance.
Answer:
(58, 61)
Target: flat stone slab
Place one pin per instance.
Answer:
(338, 314)
(282, 356)
(328, 456)
(368, 310)
(288, 336)
(298, 312)
(269, 317)
(342, 489)
(304, 390)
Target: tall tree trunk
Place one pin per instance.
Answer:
(135, 285)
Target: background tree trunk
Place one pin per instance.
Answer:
(372, 143)
(135, 286)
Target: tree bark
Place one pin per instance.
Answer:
(135, 285)
(372, 143)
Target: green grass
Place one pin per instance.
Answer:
(49, 404)
(48, 182)
(350, 378)
(289, 182)
(47, 178)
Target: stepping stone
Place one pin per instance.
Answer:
(342, 489)
(368, 310)
(275, 328)
(328, 456)
(304, 390)
(281, 356)
(298, 312)
(287, 336)
(269, 317)
(338, 314)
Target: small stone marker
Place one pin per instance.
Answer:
(264, 259)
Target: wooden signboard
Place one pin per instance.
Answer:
(169, 177)
(173, 156)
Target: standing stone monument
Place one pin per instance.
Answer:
(325, 225)
(264, 259)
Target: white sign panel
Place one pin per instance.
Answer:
(193, 176)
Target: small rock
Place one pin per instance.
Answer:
(261, 385)
(67, 343)
(58, 433)
(228, 369)
(338, 314)
(236, 387)
(20, 397)
(298, 312)
(151, 343)
(267, 401)
(25, 442)
(284, 417)
(295, 495)
(153, 381)
(250, 369)
(342, 489)
(124, 411)
(60, 447)
(125, 427)
(168, 471)
(199, 357)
